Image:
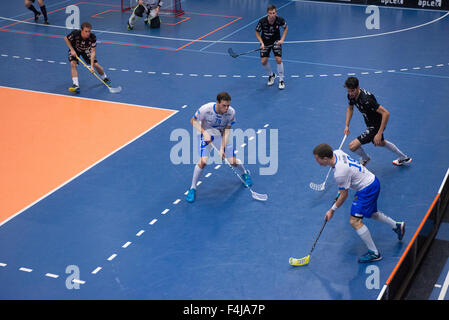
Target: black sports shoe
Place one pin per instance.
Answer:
(400, 230)
(36, 16)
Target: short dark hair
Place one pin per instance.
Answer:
(223, 96)
(271, 7)
(352, 83)
(86, 25)
(323, 150)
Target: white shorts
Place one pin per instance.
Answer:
(204, 149)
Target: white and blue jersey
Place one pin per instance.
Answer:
(215, 124)
(350, 174)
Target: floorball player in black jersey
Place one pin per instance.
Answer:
(82, 43)
(269, 35)
(37, 14)
(376, 119)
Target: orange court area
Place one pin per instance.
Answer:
(47, 139)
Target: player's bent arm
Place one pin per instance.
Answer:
(69, 45)
(197, 125)
(341, 199)
(226, 134)
(92, 56)
(385, 116)
(259, 38)
(284, 33)
(349, 113)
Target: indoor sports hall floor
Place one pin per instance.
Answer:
(92, 204)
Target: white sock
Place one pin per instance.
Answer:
(362, 153)
(240, 166)
(364, 233)
(380, 216)
(75, 81)
(392, 147)
(104, 76)
(281, 71)
(268, 68)
(196, 176)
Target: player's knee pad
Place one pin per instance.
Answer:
(139, 10)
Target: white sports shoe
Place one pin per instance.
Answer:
(400, 162)
(271, 79)
(281, 85)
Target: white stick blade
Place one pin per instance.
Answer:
(115, 90)
(317, 187)
(258, 196)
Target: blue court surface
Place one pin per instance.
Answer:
(122, 229)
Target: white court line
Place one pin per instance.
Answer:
(96, 270)
(99, 161)
(444, 288)
(177, 201)
(126, 245)
(138, 234)
(25, 269)
(112, 257)
(165, 211)
(78, 281)
(153, 221)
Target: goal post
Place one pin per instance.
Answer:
(172, 7)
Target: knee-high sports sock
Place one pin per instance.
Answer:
(280, 68)
(392, 147)
(196, 176)
(380, 216)
(361, 152)
(267, 67)
(32, 8)
(44, 12)
(365, 235)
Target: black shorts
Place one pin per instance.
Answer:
(368, 135)
(84, 55)
(277, 50)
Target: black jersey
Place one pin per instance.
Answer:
(270, 32)
(80, 44)
(367, 105)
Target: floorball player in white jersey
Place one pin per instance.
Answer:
(350, 174)
(214, 121)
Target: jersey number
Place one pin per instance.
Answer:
(354, 163)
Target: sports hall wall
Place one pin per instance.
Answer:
(423, 4)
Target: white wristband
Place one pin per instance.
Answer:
(334, 207)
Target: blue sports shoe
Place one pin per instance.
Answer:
(400, 229)
(191, 195)
(370, 256)
(247, 178)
